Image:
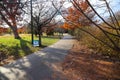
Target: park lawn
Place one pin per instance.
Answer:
(21, 47)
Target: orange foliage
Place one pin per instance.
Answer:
(22, 29)
(3, 30)
(75, 18)
(67, 26)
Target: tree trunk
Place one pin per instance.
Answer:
(40, 40)
(40, 43)
(15, 32)
(14, 28)
(39, 32)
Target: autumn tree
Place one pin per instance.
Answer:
(75, 19)
(111, 30)
(10, 11)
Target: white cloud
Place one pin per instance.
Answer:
(67, 4)
(58, 17)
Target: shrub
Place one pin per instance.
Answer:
(94, 44)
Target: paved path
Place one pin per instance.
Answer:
(41, 65)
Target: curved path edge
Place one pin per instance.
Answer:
(38, 66)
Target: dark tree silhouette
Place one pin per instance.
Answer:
(10, 11)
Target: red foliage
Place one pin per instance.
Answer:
(3, 30)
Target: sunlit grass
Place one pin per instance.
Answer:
(22, 47)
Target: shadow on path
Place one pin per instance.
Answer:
(38, 66)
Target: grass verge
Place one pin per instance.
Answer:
(21, 47)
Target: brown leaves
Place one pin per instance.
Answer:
(82, 64)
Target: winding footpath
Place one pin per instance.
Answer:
(41, 65)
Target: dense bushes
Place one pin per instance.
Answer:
(99, 47)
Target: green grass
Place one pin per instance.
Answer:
(22, 47)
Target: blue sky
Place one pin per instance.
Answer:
(114, 4)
